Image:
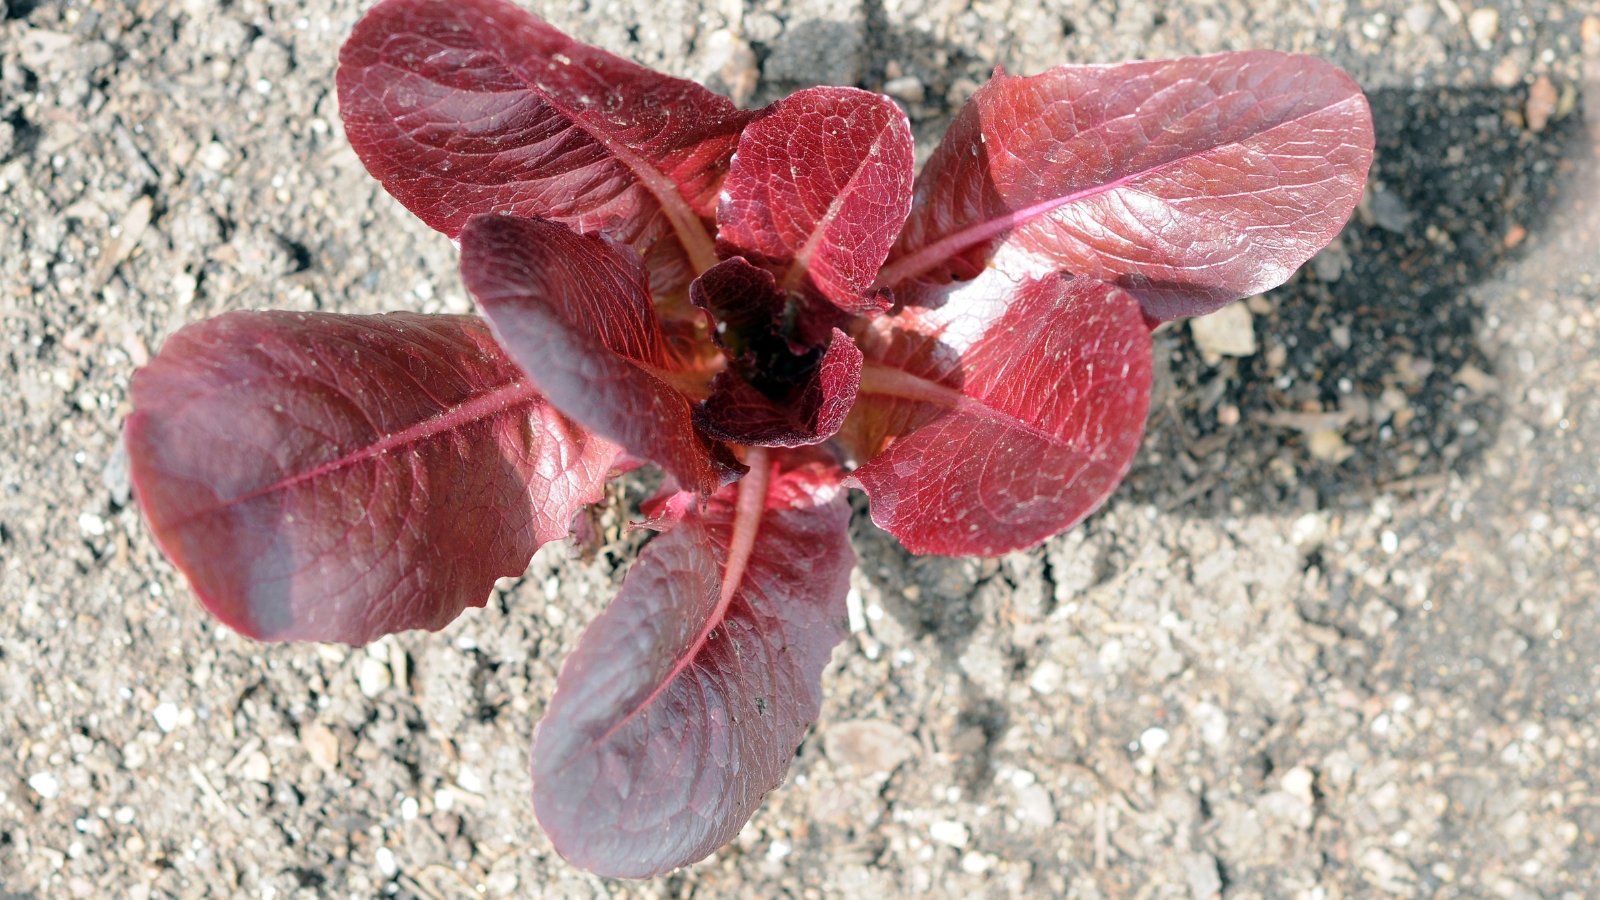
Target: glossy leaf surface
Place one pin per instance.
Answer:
(337, 478)
(1189, 182)
(1009, 413)
(461, 107)
(818, 190)
(574, 313)
(685, 701)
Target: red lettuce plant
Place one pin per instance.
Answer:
(765, 305)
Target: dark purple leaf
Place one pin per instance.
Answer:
(744, 303)
(337, 478)
(1189, 182)
(685, 701)
(817, 192)
(461, 107)
(574, 312)
(773, 393)
(1009, 413)
(808, 413)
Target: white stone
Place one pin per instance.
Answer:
(1154, 739)
(1230, 331)
(373, 677)
(1483, 24)
(167, 716)
(45, 785)
(387, 864)
(1047, 677)
(214, 156)
(950, 833)
(91, 524)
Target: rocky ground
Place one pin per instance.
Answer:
(1338, 635)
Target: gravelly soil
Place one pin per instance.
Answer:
(1337, 635)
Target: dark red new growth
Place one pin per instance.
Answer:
(766, 305)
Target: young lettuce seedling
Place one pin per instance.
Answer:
(766, 305)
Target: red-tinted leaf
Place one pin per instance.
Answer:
(818, 190)
(1190, 182)
(808, 413)
(574, 312)
(1010, 413)
(684, 702)
(338, 478)
(462, 107)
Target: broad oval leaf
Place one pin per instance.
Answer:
(573, 311)
(1009, 414)
(1189, 182)
(338, 478)
(461, 107)
(817, 191)
(685, 701)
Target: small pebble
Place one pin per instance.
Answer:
(1542, 99)
(1297, 783)
(1154, 739)
(256, 767)
(214, 156)
(1047, 677)
(1329, 446)
(167, 716)
(1230, 331)
(373, 677)
(908, 89)
(867, 745)
(1484, 26)
(387, 864)
(950, 833)
(322, 745)
(45, 785)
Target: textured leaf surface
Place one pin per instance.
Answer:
(574, 313)
(818, 190)
(337, 478)
(685, 701)
(1190, 182)
(1009, 413)
(462, 107)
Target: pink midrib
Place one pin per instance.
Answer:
(488, 405)
(802, 258)
(951, 244)
(748, 510)
(887, 381)
(931, 255)
(691, 233)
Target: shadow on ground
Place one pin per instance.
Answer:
(1377, 340)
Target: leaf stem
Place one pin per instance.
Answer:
(747, 512)
(892, 382)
